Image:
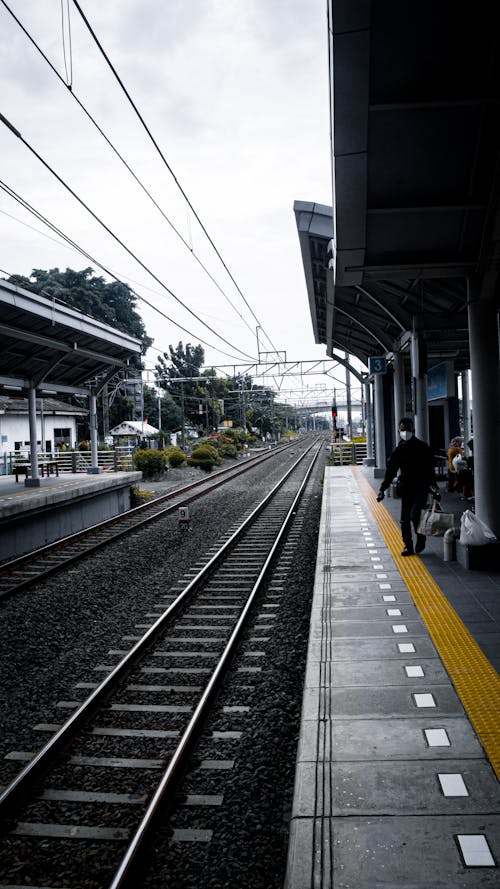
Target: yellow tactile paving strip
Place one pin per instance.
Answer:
(476, 681)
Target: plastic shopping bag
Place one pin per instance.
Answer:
(473, 531)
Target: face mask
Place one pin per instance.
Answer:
(406, 434)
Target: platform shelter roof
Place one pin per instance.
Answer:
(49, 346)
(415, 90)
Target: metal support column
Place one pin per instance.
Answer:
(399, 392)
(485, 378)
(380, 454)
(419, 383)
(370, 461)
(34, 481)
(94, 468)
(466, 407)
(348, 395)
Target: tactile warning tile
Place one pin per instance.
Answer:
(476, 681)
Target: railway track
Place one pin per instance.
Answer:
(35, 566)
(88, 801)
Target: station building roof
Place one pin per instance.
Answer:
(50, 406)
(415, 91)
(50, 346)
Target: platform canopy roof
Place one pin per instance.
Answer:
(415, 93)
(49, 346)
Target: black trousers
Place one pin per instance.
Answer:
(412, 503)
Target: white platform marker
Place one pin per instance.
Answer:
(424, 700)
(414, 671)
(475, 850)
(453, 784)
(437, 737)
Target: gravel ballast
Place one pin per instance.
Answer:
(55, 634)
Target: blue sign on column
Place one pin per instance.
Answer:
(378, 365)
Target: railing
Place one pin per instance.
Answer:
(348, 453)
(117, 459)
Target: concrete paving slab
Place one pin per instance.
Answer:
(350, 575)
(393, 788)
(364, 594)
(383, 739)
(376, 673)
(378, 611)
(370, 853)
(359, 629)
(368, 648)
(379, 703)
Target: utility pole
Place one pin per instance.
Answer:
(243, 409)
(183, 432)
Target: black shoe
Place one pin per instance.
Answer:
(408, 551)
(420, 545)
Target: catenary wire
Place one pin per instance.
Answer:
(69, 51)
(117, 274)
(115, 237)
(6, 188)
(169, 168)
(124, 162)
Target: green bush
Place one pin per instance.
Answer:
(139, 496)
(204, 456)
(227, 449)
(174, 456)
(150, 462)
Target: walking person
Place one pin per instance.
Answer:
(415, 462)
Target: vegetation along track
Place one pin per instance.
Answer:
(91, 771)
(33, 567)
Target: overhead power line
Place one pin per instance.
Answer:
(69, 87)
(6, 188)
(169, 168)
(114, 236)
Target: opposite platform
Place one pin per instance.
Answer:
(33, 517)
(393, 785)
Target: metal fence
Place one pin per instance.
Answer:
(348, 453)
(119, 459)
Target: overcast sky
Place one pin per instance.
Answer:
(236, 95)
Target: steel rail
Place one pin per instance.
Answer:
(19, 789)
(152, 511)
(176, 766)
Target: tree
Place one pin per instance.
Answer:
(174, 373)
(112, 303)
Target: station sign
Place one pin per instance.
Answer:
(378, 365)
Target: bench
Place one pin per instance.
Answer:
(46, 467)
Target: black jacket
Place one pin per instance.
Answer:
(415, 461)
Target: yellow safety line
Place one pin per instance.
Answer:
(476, 681)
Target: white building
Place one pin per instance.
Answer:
(56, 424)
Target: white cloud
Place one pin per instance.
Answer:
(235, 92)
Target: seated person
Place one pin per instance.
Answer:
(455, 449)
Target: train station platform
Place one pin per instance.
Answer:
(399, 749)
(33, 517)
